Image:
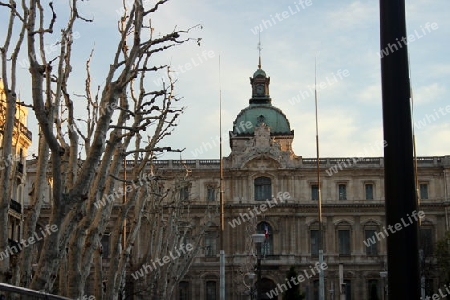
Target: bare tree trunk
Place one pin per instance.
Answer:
(9, 92)
(33, 214)
(63, 281)
(98, 272)
(5, 174)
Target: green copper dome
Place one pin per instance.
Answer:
(257, 114)
(261, 110)
(259, 72)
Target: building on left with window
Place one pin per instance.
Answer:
(22, 138)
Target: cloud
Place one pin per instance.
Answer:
(433, 140)
(343, 35)
(370, 94)
(354, 15)
(438, 70)
(428, 93)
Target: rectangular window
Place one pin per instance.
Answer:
(183, 288)
(369, 236)
(314, 192)
(158, 189)
(344, 242)
(423, 190)
(263, 189)
(316, 290)
(373, 290)
(10, 228)
(184, 193)
(426, 242)
(342, 189)
(348, 289)
(211, 290)
(211, 193)
(314, 235)
(210, 244)
(105, 245)
(185, 238)
(429, 287)
(369, 191)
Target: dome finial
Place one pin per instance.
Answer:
(259, 49)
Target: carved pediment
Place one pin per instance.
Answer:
(260, 146)
(262, 163)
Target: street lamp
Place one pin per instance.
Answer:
(251, 277)
(384, 274)
(258, 238)
(332, 290)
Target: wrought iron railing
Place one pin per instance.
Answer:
(16, 206)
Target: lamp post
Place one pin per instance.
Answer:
(258, 238)
(332, 291)
(252, 276)
(383, 275)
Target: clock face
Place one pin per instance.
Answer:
(260, 90)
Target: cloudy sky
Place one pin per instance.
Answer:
(343, 36)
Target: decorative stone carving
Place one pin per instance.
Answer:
(260, 146)
(262, 136)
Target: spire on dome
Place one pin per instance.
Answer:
(260, 82)
(259, 49)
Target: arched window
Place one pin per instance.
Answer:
(265, 248)
(267, 286)
(263, 188)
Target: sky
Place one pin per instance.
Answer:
(341, 36)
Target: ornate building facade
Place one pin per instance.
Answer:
(269, 189)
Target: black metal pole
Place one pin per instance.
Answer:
(401, 199)
(258, 280)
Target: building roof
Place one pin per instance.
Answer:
(261, 113)
(259, 72)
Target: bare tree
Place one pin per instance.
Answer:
(173, 237)
(124, 127)
(243, 283)
(9, 52)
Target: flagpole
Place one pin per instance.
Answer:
(321, 274)
(222, 251)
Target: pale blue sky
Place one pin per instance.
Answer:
(343, 35)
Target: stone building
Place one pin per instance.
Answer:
(262, 166)
(269, 189)
(21, 142)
